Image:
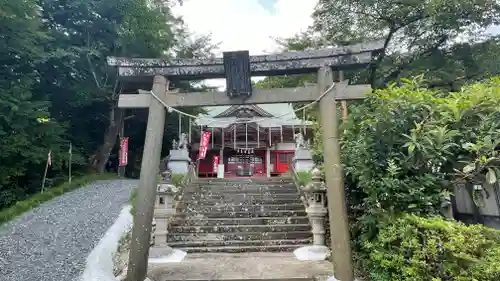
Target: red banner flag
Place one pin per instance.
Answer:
(123, 152)
(203, 152)
(205, 139)
(215, 163)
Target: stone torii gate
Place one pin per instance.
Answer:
(237, 68)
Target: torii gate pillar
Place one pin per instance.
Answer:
(141, 231)
(334, 177)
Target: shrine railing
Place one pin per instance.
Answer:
(295, 179)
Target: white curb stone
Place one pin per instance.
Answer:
(312, 253)
(335, 279)
(99, 265)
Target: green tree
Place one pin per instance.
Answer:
(86, 32)
(24, 141)
(54, 70)
(412, 31)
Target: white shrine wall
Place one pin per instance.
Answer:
(283, 146)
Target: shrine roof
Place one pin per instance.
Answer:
(282, 115)
(283, 110)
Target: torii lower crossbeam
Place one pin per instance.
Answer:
(260, 96)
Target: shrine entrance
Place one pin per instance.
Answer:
(246, 165)
(238, 68)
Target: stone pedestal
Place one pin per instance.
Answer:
(316, 212)
(302, 161)
(179, 161)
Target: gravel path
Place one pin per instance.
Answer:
(52, 242)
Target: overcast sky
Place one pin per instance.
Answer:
(248, 24)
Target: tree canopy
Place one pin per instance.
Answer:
(56, 89)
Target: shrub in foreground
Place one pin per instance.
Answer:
(412, 248)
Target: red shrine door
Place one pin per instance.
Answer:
(245, 165)
(283, 161)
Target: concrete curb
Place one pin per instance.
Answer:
(99, 266)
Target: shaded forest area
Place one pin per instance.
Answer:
(53, 56)
(55, 87)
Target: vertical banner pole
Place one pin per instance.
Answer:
(121, 169)
(70, 160)
(223, 137)
(180, 126)
(49, 162)
(190, 130)
(258, 135)
(269, 134)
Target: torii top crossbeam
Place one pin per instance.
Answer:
(346, 57)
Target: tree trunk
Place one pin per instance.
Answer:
(100, 158)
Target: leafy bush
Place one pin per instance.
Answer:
(177, 179)
(304, 178)
(412, 248)
(405, 148)
(21, 207)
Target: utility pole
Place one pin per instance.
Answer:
(334, 177)
(141, 231)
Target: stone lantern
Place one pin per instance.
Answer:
(315, 202)
(316, 206)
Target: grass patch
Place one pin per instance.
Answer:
(133, 201)
(34, 201)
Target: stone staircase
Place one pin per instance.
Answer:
(239, 216)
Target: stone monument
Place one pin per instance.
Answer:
(302, 160)
(179, 156)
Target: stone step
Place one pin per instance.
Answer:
(242, 181)
(243, 201)
(243, 186)
(242, 249)
(232, 243)
(230, 191)
(242, 236)
(254, 279)
(193, 207)
(239, 228)
(198, 221)
(238, 196)
(242, 214)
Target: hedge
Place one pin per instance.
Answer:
(412, 248)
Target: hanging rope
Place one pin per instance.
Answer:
(170, 108)
(180, 126)
(190, 116)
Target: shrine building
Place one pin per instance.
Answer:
(252, 140)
